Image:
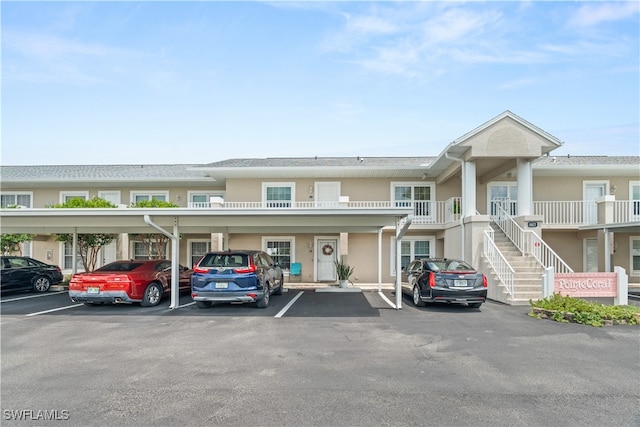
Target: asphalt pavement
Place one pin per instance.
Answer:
(310, 359)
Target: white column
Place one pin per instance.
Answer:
(379, 259)
(525, 187)
(468, 188)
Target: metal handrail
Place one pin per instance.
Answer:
(499, 263)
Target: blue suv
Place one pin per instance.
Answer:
(236, 276)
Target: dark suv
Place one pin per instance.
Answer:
(236, 276)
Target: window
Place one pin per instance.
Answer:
(504, 195)
(280, 249)
(142, 250)
(15, 199)
(202, 199)
(419, 196)
(412, 248)
(634, 253)
(198, 248)
(67, 263)
(138, 196)
(65, 196)
(278, 194)
(110, 196)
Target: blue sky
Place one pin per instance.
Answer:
(198, 82)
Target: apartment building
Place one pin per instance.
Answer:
(497, 197)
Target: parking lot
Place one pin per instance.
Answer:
(310, 358)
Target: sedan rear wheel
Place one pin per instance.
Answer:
(152, 295)
(264, 302)
(41, 284)
(416, 297)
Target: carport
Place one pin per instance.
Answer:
(173, 221)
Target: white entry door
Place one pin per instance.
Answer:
(109, 253)
(325, 259)
(590, 255)
(327, 194)
(592, 192)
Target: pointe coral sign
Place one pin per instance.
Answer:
(586, 285)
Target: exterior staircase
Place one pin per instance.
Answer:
(528, 274)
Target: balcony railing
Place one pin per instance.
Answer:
(425, 212)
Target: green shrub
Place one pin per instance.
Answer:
(585, 312)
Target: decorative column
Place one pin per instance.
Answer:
(525, 187)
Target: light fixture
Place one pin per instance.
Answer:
(613, 189)
(425, 175)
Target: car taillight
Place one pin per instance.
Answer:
(197, 269)
(250, 269)
(432, 280)
(484, 281)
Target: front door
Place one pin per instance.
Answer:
(325, 259)
(590, 255)
(327, 194)
(592, 192)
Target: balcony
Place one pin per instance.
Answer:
(425, 212)
(575, 213)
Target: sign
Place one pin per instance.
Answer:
(586, 285)
(532, 224)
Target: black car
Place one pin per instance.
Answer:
(236, 276)
(21, 272)
(444, 280)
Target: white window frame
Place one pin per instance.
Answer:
(290, 239)
(190, 249)
(413, 184)
(105, 195)
(19, 193)
(61, 263)
(266, 185)
(632, 272)
(208, 195)
(513, 203)
(132, 249)
(392, 260)
(632, 215)
(64, 195)
(134, 193)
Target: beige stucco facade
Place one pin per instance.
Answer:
(505, 153)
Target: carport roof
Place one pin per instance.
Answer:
(131, 220)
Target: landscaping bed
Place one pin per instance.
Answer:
(568, 309)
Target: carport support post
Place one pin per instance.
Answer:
(379, 259)
(175, 258)
(74, 250)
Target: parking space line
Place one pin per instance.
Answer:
(54, 309)
(288, 306)
(187, 304)
(32, 296)
(384, 297)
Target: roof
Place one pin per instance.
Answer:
(385, 162)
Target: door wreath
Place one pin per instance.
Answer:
(327, 250)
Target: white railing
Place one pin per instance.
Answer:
(499, 263)
(529, 242)
(626, 211)
(567, 212)
(424, 212)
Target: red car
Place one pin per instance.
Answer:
(128, 281)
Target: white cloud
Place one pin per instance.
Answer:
(594, 14)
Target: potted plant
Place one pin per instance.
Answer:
(344, 271)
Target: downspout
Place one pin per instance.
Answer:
(464, 195)
(175, 266)
(399, 235)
